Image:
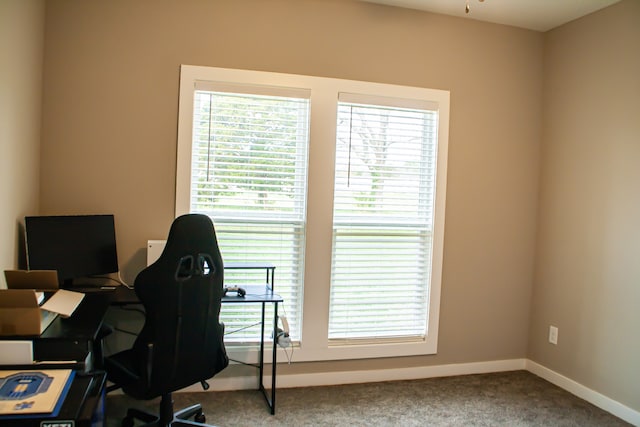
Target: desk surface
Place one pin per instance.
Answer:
(122, 295)
(249, 266)
(83, 324)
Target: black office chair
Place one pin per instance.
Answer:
(181, 342)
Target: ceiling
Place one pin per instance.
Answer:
(539, 15)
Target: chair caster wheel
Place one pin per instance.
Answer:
(127, 422)
(200, 418)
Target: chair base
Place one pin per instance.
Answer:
(167, 418)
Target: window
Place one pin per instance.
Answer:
(340, 184)
(382, 219)
(249, 173)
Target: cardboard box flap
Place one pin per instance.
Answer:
(63, 302)
(31, 279)
(20, 313)
(18, 298)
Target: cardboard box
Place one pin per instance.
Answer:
(31, 279)
(21, 313)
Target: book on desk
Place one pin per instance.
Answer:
(29, 393)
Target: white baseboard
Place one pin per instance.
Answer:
(601, 401)
(353, 377)
(421, 372)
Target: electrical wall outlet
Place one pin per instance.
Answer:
(553, 335)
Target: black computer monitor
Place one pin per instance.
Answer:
(76, 246)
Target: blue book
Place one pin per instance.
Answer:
(33, 393)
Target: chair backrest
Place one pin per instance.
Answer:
(181, 342)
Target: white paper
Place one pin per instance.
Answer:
(63, 302)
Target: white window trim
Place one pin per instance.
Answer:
(314, 343)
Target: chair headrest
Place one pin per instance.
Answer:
(191, 233)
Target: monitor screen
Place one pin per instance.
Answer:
(75, 246)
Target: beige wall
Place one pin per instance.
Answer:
(587, 280)
(110, 118)
(109, 141)
(21, 44)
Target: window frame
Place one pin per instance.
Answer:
(314, 344)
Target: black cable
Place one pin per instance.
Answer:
(243, 328)
(253, 365)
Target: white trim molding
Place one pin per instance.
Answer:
(354, 377)
(601, 401)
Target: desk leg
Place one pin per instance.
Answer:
(275, 358)
(261, 362)
(271, 402)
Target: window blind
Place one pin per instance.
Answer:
(382, 219)
(248, 173)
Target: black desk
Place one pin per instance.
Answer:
(72, 339)
(269, 268)
(256, 294)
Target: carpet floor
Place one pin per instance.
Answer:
(517, 398)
